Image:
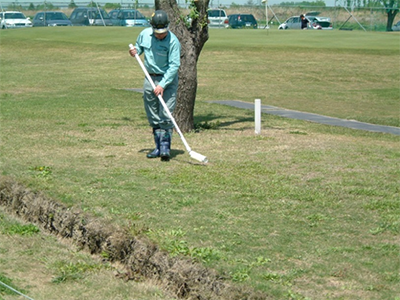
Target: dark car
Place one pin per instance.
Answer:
(51, 18)
(90, 16)
(128, 18)
(242, 21)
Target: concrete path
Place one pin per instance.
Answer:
(293, 114)
(311, 117)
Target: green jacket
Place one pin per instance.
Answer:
(160, 56)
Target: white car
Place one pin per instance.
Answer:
(217, 18)
(319, 22)
(14, 19)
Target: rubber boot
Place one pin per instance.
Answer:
(157, 135)
(165, 144)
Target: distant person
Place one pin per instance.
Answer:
(161, 50)
(304, 22)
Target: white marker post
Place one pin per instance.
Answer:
(257, 115)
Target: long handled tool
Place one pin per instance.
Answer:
(193, 154)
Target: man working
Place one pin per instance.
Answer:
(162, 52)
(304, 22)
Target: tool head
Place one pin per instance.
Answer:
(198, 156)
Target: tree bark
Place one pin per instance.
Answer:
(192, 38)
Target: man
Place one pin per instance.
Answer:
(304, 22)
(161, 50)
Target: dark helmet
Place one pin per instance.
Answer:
(159, 21)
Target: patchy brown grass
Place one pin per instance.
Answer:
(141, 258)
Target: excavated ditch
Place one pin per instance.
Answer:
(181, 276)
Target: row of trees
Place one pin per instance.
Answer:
(321, 3)
(370, 3)
(392, 5)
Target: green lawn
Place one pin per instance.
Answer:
(301, 211)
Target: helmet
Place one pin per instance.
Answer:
(159, 21)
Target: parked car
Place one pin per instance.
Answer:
(14, 19)
(90, 16)
(217, 18)
(51, 18)
(242, 21)
(128, 18)
(291, 23)
(396, 27)
(315, 22)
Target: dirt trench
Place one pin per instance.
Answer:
(180, 276)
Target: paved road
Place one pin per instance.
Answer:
(311, 117)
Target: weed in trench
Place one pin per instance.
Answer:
(73, 271)
(12, 228)
(243, 273)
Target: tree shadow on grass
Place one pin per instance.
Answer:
(210, 121)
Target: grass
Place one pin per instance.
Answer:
(41, 267)
(7, 287)
(301, 211)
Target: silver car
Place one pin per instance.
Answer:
(217, 18)
(291, 23)
(128, 18)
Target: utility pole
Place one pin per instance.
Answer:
(266, 13)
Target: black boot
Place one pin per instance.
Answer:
(165, 144)
(157, 135)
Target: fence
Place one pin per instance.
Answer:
(371, 19)
(368, 19)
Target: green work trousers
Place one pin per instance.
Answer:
(156, 115)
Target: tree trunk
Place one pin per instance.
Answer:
(392, 8)
(391, 13)
(192, 39)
